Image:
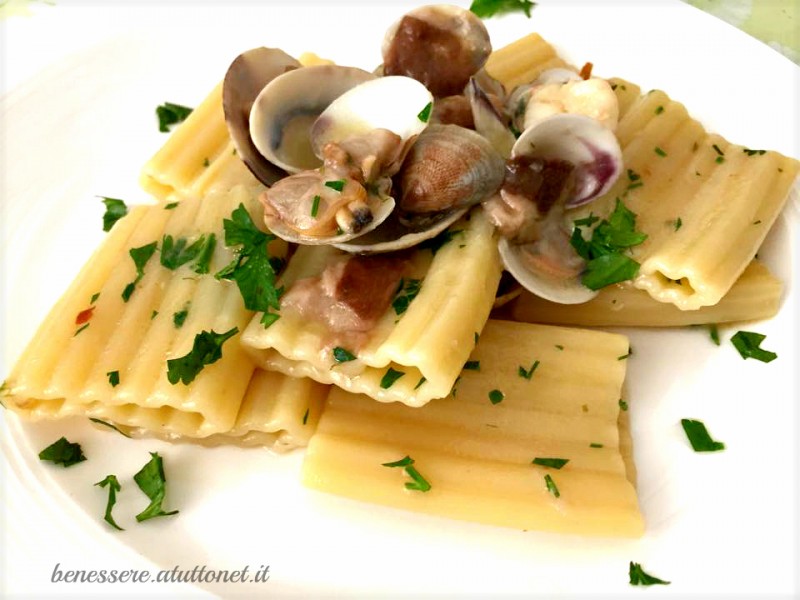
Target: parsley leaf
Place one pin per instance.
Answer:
(109, 425)
(606, 264)
(113, 378)
(115, 210)
(639, 577)
(179, 318)
(206, 350)
(390, 377)
(113, 487)
(407, 291)
(699, 437)
(252, 269)
(152, 482)
(175, 253)
(425, 113)
(337, 185)
(140, 257)
(748, 342)
(171, 114)
(418, 483)
(472, 365)
(496, 396)
(713, 332)
(551, 486)
(419, 383)
(63, 452)
(552, 463)
(527, 374)
(341, 355)
(489, 8)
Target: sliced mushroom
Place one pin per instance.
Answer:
(287, 107)
(244, 80)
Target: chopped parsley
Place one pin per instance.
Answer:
(606, 264)
(489, 8)
(639, 577)
(496, 396)
(419, 383)
(425, 113)
(63, 452)
(659, 110)
(622, 404)
(717, 150)
(659, 151)
(550, 463)
(152, 482)
(753, 152)
(699, 437)
(551, 486)
(472, 365)
(625, 356)
(113, 487)
(337, 185)
(171, 205)
(175, 253)
(115, 210)
(113, 378)
(140, 257)
(315, 206)
(418, 482)
(305, 416)
(527, 374)
(170, 114)
(677, 223)
(206, 350)
(559, 347)
(153, 315)
(179, 318)
(633, 175)
(713, 332)
(595, 445)
(476, 336)
(206, 162)
(341, 355)
(109, 425)
(252, 269)
(80, 329)
(435, 244)
(406, 292)
(94, 298)
(748, 344)
(390, 377)
(719, 160)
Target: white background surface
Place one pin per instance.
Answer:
(82, 81)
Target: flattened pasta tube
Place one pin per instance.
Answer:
(530, 392)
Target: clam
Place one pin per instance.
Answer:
(440, 45)
(488, 120)
(562, 162)
(362, 137)
(244, 80)
(287, 107)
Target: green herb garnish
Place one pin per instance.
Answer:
(527, 374)
(418, 482)
(659, 110)
(152, 482)
(80, 329)
(699, 437)
(406, 292)
(595, 445)
(175, 253)
(337, 185)
(63, 452)
(341, 355)
(425, 113)
(753, 152)
(622, 404)
(603, 252)
(305, 416)
(171, 205)
(390, 377)
(109, 425)
(677, 223)
(713, 332)
(113, 378)
(719, 160)
(171, 114)
(748, 344)
(115, 210)
(551, 463)
(639, 577)
(315, 206)
(496, 396)
(140, 257)
(717, 150)
(419, 383)
(660, 152)
(551, 486)
(206, 350)
(472, 365)
(489, 8)
(179, 318)
(113, 487)
(252, 269)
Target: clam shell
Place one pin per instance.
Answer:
(488, 122)
(287, 107)
(582, 141)
(244, 80)
(397, 104)
(449, 167)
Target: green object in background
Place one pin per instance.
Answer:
(774, 22)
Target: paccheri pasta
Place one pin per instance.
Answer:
(191, 322)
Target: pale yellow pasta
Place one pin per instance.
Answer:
(431, 340)
(755, 295)
(522, 61)
(477, 456)
(66, 369)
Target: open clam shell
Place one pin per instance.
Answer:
(398, 104)
(244, 80)
(287, 107)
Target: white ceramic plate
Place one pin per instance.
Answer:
(719, 523)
